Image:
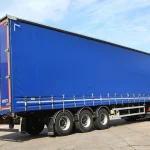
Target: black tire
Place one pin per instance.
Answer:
(102, 121)
(85, 122)
(63, 123)
(34, 127)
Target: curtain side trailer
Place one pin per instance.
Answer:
(57, 78)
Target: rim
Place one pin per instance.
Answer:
(103, 119)
(64, 123)
(85, 120)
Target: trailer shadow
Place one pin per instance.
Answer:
(120, 122)
(18, 137)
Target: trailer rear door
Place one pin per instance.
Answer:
(4, 102)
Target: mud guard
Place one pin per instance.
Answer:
(23, 125)
(50, 126)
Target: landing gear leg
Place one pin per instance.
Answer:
(11, 123)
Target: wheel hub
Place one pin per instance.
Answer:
(64, 123)
(103, 119)
(85, 120)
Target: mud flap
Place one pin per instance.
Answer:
(23, 125)
(50, 126)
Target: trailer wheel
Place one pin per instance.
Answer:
(34, 127)
(102, 121)
(63, 123)
(85, 122)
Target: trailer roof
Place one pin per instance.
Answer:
(68, 32)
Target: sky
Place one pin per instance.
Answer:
(124, 22)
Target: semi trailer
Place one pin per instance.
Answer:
(65, 80)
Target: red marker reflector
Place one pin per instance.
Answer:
(148, 109)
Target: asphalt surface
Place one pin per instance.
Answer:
(120, 136)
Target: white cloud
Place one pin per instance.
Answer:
(124, 22)
(37, 10)
(79, 4)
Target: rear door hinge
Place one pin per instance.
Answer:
(6, 24)
(7, 77)
(7, 50)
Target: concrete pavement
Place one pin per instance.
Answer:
(120, 136)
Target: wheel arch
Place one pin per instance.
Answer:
(81, 109)
(99, 108)
(58, 112)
